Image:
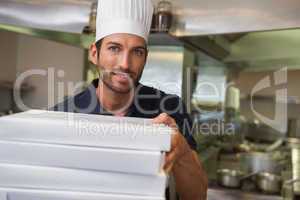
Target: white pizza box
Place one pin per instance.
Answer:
(85, 130)
(34, 194)
(50, 178)
(88, 158)
(3, 195)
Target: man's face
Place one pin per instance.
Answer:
(121, 61)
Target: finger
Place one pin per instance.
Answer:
(168, 170)
(179, 146)
(175, 140)
(170, 157)
(170, 160)
(165, 119)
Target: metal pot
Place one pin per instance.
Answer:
(260, 162)
(268, 183)
(231, 178)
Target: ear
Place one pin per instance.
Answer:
(93, 55)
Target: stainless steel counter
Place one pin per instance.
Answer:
(228, 194)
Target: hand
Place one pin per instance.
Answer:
(179, 145)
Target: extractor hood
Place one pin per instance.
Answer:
(56, 15)
(193, 17)
(64, 21)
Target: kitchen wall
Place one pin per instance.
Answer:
(8, 59)
(8, 56)
(34, 53)
(264, 103)
(21, 53)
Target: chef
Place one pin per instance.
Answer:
(120, 53)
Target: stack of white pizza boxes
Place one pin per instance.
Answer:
(62, 156)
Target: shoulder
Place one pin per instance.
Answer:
(79, 102)
(151, 93)
(155, 99)
(147, 90)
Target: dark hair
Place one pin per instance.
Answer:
(98, 46)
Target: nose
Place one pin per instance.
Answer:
(124, 61)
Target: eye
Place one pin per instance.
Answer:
(114, 49)
(139, 52)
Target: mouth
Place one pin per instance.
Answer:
(121, 76)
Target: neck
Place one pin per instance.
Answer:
(116, 103)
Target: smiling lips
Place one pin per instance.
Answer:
(121, 76)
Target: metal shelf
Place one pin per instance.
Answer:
(8, 85)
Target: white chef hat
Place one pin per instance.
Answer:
(124, 16)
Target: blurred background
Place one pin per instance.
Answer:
(236, 65)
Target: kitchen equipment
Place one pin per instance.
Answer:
(293, 128)
(262, 162)
(231, 178)
(164, 16)
(91, 27)
(287, 189)
(275, 145)
(259, 132)
(294, 145)
(153, 22)
(268, 183)
(233, 98)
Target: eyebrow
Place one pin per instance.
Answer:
(118, 44)
(114, 43)
(141, 47)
